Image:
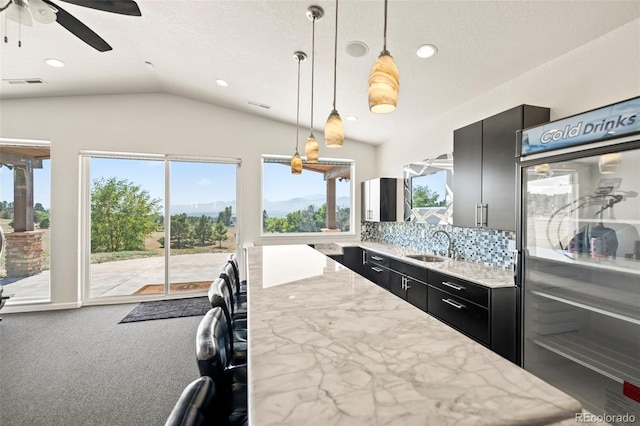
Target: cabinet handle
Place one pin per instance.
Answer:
(484, 215)
(376, 269)
(477, 220)
(453, 286)
(377, 258)
(406, 283)
(364, 257)
(454, 304)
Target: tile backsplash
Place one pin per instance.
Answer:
(486, 246)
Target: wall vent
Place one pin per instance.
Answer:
(24, 80)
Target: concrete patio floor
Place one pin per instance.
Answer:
(125, 277)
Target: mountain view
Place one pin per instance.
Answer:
(273, 208)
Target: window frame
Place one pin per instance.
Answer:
(320, 235)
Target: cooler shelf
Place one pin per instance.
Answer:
(591, 303)
(594, 355)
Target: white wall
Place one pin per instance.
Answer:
(599, 73)
(150, 123)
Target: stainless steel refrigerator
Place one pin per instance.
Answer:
(578, 257)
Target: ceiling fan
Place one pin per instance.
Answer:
(46, 12)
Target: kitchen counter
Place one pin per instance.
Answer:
(329, 347)
(480, 274)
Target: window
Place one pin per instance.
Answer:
(320, 200)
(25, 201)
(156, 225)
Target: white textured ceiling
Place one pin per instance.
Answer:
(482, 44)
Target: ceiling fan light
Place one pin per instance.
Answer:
(334, 131)
(19, 14)
(311, 149)
(384, 85)
(296, 164)
(42, 12)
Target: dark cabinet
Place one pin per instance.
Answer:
(409, 282)
(488, 315)
(376, 268)
(485, 168)
(467, 317)
(379, 197)
(352, 258)
(467, 166)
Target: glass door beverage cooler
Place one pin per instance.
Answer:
(578, 251)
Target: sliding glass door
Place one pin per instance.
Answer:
(156, 226)
(202, 223)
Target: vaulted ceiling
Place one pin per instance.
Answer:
(183, 46)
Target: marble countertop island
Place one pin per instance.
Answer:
(329, 347)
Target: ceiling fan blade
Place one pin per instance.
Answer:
(123, 7)
(79, 29)
(42, 12)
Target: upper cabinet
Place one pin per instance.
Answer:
(379, 200)
(485, 168)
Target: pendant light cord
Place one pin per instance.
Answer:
(384, 48)
(313, 58)
(298, 107)
(335, 59)
(19, 28)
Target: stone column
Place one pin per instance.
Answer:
(24, 253)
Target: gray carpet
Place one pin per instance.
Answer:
(79, 367)
(163, 309)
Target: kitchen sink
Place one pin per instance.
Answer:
(426, 257)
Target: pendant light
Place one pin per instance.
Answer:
(296, 161)
(384, 81)
(311, 150)
(334, 130)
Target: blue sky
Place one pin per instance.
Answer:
(41, 185)
(280, 184)
(191, 182)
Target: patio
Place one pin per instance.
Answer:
(125, 277)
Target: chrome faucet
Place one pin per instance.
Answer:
(451, 251)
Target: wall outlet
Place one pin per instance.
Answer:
(512, 245)
(424, 233)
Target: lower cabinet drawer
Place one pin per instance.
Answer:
(467, 317)
(377, 274)
(460, 288)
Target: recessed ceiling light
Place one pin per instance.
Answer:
(53, 62)
(222, 83)
(426, 51)
(351, 117)
(356, 49)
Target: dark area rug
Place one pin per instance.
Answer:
(163, 309)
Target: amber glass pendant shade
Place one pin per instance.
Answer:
(384, 85)
(334, 131)
(311, 150)
(296, 164)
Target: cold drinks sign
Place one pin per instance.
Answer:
(608, 122)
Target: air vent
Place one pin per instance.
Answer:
(258, 104)
(24, 81)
